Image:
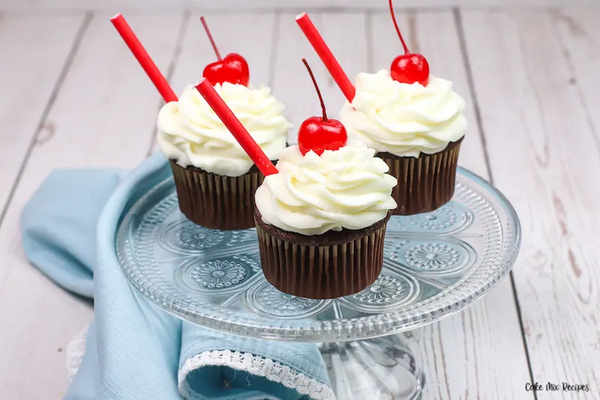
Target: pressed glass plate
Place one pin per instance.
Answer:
(435, 264)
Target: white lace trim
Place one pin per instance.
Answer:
(75, 352)
(255, 365)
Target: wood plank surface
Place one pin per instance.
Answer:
(545, 157)
(268, 5)
(104, 116)
(478, 353)
(26, 88)
(578, 34)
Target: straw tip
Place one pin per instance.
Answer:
(300, 16)
(200, 83)
(116, 17)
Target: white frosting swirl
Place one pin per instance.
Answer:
(343, 189)
(190, 132)
(404, 119)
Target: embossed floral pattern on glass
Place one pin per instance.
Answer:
(434, 264)
(432, 256)
(218, 274)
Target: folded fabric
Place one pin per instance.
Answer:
(134, 350)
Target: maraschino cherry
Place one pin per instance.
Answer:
(233, 68)
(409, 67)
(320, 133)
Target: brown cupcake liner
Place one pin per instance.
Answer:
(425, 183)
(216, 201)
(326, 266)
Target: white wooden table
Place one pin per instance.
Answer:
(71, 95)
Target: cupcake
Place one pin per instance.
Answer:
(321, 221)
(415, 122)
(321, 218)
(214, 177)
(416, 128)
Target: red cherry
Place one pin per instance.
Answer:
(408, 68)
(233, 68)
(320, 133)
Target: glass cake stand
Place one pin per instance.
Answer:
(435, 265)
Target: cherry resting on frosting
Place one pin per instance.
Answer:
(409, 67)
(320, 133)
(233, 68)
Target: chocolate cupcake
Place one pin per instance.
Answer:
(416, 129)
(214, 177)
(321, 221)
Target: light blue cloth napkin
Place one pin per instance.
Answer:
(135, 350)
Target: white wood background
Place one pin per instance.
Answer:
(73, 96)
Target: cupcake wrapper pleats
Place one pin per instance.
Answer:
(425, 183)
(216, 201)
(321, 271)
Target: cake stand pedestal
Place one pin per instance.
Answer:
(435, 264)
(384, 368)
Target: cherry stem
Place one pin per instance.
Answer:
(317, 88)
(212, 41)
(406, 51)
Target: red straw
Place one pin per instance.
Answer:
(144, 58)
(235, 127)
(332, 65)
